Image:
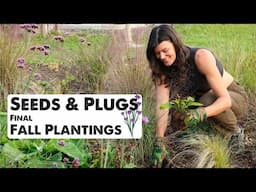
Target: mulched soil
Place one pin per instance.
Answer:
(246, 158)
(57, 75)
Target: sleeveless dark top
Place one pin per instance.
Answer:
(196, 84)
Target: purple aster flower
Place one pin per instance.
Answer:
(21, 65)
(145, 120)
(22, 26)
(20, 60)
(34, 26)
(82, 40)
(65, 160)
(41, 48)
(56, 38)
(61, 39)
(61, 143)
(76, 162)
(37, 76)
(33, 48)
(46, 52)
(46, 46)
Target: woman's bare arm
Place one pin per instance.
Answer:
(162, 96)
(206, 64)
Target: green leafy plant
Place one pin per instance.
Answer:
(181, 105)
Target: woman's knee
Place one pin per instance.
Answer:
(239, 104)
(208, 98)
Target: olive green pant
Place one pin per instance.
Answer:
(226, 123)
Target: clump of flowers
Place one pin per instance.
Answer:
(41, 48)
(22, 87)
(21, 63)
(59, 38)
(29, 27)
(83, 41)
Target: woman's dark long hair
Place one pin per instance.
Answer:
(174, 75)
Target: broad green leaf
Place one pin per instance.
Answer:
(36, 163)
(70, 149)
(168, 105)
(12, 153)
(51, 145)
(195, 104)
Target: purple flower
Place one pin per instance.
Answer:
(46, 52)
(76, 162)
(82, 40)
(37, 76)
(22, 26)
(46, 46)
(34, 26)
(62, 39)
(145, 120)
(56, 38)
(65, 160)
(29, 27)
(41, 48)
(20, 60)
(21, 65)
(61, 143)
(33, 48)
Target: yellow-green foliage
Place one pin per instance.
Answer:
(212, 151)
(11, 48)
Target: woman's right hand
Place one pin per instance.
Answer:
(160, 154)
(177, 121)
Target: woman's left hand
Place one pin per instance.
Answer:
(195, 116)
